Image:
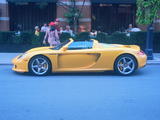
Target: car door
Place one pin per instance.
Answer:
(77, 58)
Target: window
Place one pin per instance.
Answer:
(30, 14)
(117, 17)
(81, 45)
(60, 45)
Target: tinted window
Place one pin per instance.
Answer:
(60, 45)
(80, 45)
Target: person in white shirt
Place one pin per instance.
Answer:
(135, 29)
(68, 30)
(44, 28)
(132, 29)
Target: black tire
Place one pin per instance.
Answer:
(125, 68)
(39, 65)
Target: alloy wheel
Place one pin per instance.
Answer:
(40, 66)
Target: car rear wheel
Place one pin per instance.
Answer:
(125, 64)
(39, 65)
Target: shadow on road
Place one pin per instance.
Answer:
(106, 73)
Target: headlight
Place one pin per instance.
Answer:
(21, 56)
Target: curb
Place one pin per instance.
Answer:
(6, 64)
(153, 63)
(156, 61)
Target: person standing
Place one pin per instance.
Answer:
(44, 28)
(68, 30)
(52, 36)
(57, 24)
(37, 31)
(135, 29)
(18, 30)
(130, 26)
(61, 30)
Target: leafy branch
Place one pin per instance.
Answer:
(73, 13)
(147, 11)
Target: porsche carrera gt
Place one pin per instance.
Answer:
(81, 56)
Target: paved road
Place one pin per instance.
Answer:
(80, 96)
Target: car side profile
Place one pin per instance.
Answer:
(81, 56)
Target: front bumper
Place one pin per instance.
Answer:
(20, 65)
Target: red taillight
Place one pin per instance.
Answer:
(141, 53)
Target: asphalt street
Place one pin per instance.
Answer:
(80, 96)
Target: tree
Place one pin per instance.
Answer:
(73, 13)
(147, 13)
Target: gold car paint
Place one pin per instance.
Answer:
(20, 65)
(96, 59)
(69, 60)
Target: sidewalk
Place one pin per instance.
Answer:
(6, 58)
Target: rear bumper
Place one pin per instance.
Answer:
(142, 61)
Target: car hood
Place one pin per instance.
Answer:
(39, 49)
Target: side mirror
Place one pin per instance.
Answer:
(64, 48)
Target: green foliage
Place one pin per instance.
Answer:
(64, 37)
(119, 38)
(6, 37)
(37, 40)
(139, 38)
(147, 11)
(71, 14)
(82, 36)
(28, 39)
(101, 37)
(136, 38)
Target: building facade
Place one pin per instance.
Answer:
(4, 16)
(104, 15)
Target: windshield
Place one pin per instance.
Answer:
(60, 45)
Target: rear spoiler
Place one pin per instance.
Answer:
(136, 47)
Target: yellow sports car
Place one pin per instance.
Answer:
(80, 56)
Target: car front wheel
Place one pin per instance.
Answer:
(125, 64)
(39, 65)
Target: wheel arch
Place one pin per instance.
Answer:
(40, 55)
(126, 54)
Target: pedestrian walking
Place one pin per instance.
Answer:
(51, 36)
